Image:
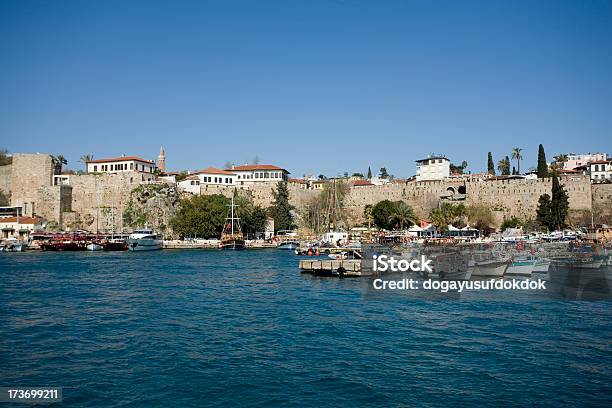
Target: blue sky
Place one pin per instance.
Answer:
(314, 86)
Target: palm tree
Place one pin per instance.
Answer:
(85, 159)
(516, 154)
(402, 215)
(561, 159)
(504, 167)
(58, 162)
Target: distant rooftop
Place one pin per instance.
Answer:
(214, 170)
(248, 167)
(122, 158)
(432, 158)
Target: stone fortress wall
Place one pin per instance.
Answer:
(30, 183)
(5, 179)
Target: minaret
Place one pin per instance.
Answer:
(161, 160)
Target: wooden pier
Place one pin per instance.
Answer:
(332, 267)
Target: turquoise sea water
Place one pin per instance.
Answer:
(212, 328)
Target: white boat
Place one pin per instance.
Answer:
(490, 268)
(521, 267)
(144, 240)
(579, 263)
(288, 244)
(341, 255)
(542, 265)
(94, 247)
(13, 245)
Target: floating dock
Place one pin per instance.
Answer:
(332, 267)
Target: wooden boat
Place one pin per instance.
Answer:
(231, 236)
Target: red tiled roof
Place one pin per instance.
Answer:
(362, 183)
(191, 177)
(256, 167)
(22, 220)
(120, 159)
(600, 162)
(300, 181)
(214, 170)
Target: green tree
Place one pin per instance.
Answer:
(559, 204)
(5, 158)
(253, 218)
(402, 215)
(280, 210)
(181, 176)
(512, 222)
(4, 200)
(504, 166)
(58, 162)
(85, 159)
(382, 213)
(369, 173)
(448, 214)
(561, 159)
(458, 169)
(383, 173)
(544, 211)
(367, 214)
(201, 216)
(516, 154)
(490, 164)
(359, 175)
(481, 217)
(542, 166)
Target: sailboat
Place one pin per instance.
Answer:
(231, 236)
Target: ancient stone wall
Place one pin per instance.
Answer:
(602, 203)
(507, 198)
(54, 203)
(5, 179)
(29, 173)
(98, 199)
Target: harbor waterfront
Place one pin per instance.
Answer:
(219, 328)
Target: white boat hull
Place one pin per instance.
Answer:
(490, 268)
(521, 268)
(542, 266)
(135, 244)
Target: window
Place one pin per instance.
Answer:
(131, 166)
(95, 169)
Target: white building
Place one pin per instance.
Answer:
(379, 181)
(212, 175)
(209, 176)
(600, 171)
(577, 160)
(19, 227)
(432, 168)
(258, 173)
(190, 184)
(121, 164)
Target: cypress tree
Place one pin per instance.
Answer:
(280, 210)
(543, 213)
(559, 204)
(369, 173)
(542, 167)
(490, 164)
(552, 211)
